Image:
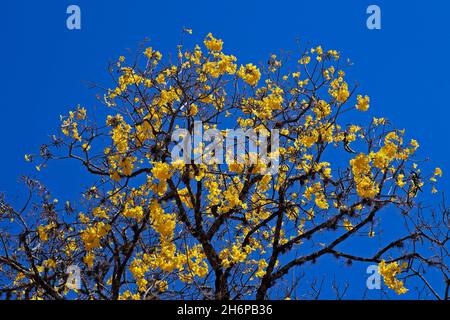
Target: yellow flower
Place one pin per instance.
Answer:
(43, 231)
(360, 164)
(193, 110)
(49, 263)
(250, 74)
(348, 225)
(304, 60)
(415, 144)
(388, 272)
(320, 201)
(262, 265)
(92, 235)
(161, 171)
(322, 109)
(100, 213)
(89, 259)
(161, 79)
(212, 43)
(185, 197)
(81, 113)
(400, 181)
(363, 103)
(366, 188)
(379, 121)
(133, 212)
(339, 90)
(161, 285)
(438, 172)
(151, 54)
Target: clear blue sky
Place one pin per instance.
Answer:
(44, 66)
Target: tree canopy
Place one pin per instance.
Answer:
(154, 228)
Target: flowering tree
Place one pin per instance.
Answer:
(150, 227)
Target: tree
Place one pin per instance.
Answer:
(152, 227)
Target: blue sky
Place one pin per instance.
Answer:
(45, 66)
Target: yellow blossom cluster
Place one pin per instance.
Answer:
(179, 206)
(212, 43)
(361, 169)
(234, 255)
(363, 103)
(389, 271)
(339, 90)
(318, 191)
(92, 235)
(44, 229)
(250, 74)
